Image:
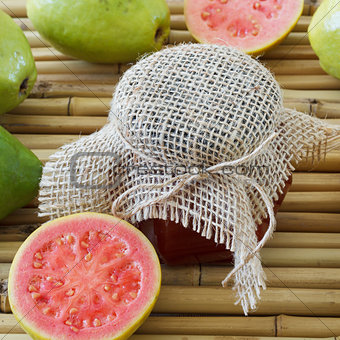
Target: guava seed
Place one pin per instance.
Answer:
(96, 323)
(70, 292)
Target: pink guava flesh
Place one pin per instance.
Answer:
(249, 25)
(86, 276)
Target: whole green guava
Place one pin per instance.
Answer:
(102, 31)
(20, 172)
(324, 36)
(17, 69)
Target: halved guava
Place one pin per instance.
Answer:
(84, 276)
(252, 26)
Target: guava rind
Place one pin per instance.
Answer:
(261, 47)
(20, 172)
(52, 229)
(324, 36)
(16, 64)
(105, 31)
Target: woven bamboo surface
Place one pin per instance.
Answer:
(72, 97)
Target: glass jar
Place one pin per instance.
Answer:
(177, 245)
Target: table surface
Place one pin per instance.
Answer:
(302, 261)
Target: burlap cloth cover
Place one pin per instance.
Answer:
(182, 123)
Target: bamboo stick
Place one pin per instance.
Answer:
(312, 202)
(51, 124)
(16, 8)
(24, 23)
(8, 250)
(15, 336)
(230, 325)
(41, 141)
(75, 66)
(308, 82)
(89, 106)
(282, 325)
(181, 275)
(36, 40)
(308, 222)
(285, 277)
(318, 109)
(294, 67)
(313, 6)
(43, 154)
(49, 53)
(23, 216)
(293, 257)
(259, 326)
(290, 52)
(299, 257)
(86, 79)
(47, 107)
(16, 232)
(304, 240)
(218, 300)
(307, 326)
(4, 304)
(4, 271)
(315, 182)
(312, 95)
(8, 323)
(46, 89)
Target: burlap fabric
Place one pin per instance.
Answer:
(197, 134)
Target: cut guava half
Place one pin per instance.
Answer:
(252, 26)
(85, 276)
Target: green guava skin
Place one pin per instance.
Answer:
(324, 36)
(102, 31)
(17, 69)
(20, 173)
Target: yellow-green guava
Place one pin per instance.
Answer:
(324, 36)
(17, 69)
(102, 31)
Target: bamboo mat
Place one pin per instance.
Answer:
(72, 98)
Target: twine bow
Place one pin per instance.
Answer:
(185, 179)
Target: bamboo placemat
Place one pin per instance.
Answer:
(72, 97)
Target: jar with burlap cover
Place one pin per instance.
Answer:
(183, 122)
